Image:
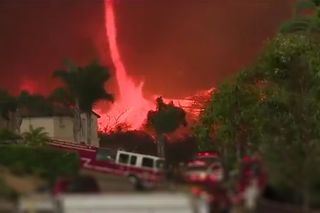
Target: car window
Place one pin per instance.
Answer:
(147, 162)
(123, 158)
(133, 160)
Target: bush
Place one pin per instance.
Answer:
(42, 161)
(7, 136)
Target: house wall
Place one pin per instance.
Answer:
(63, 128)
(46, 122)
(94, 128)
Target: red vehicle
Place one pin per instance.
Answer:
(138, 167)
(201, 172)
(205, 167)
(207, 156)
(204, 154)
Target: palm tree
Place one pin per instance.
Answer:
(69, 78)
(84, 86)
(36, 137)
(166, 119)
(93, 90)
(306, 18)
(61, 96)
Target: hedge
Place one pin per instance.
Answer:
(43, 161)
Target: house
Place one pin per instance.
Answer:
(58, 123)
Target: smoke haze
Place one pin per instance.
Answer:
(176, 46)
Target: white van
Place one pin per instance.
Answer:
(140, 167)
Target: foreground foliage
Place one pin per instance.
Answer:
(43, 161)
(36, 136)
(7, 136)
(273, 108)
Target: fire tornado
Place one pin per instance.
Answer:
(130, 106)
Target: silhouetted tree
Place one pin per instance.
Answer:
(165, 119)
(132, 141)
(61, 96)
(87, 86)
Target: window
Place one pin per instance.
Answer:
(133, 160)
(147, 162)
(123, 158)
(104, 154)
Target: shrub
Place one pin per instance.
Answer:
(36, 136)
(8, 136)
(43, 161)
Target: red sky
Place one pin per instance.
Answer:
(176, 46)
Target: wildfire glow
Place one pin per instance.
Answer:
(28, 85)
(130, 107)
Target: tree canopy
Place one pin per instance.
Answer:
(272, 108)
(83, 87)
(85, 84)
(166, 118)
(306, 18)
(34, 103)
